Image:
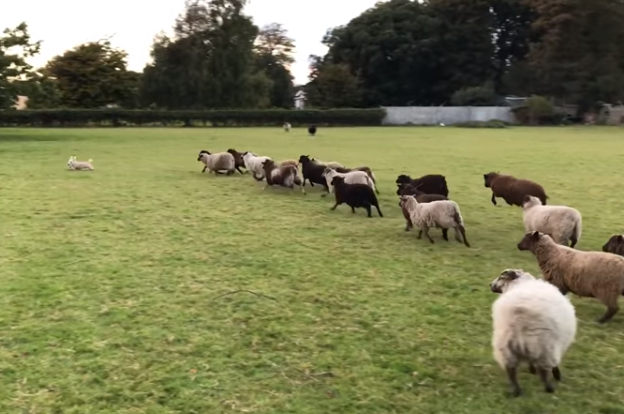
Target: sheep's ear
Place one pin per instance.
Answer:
(511, 274)
(535, 235)
(620, 238)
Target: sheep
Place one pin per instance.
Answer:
(312, 130)
(312, 172)
(253, 163)
(286, 126)
(367, 170)
(238, 159)
(513, 190)
(294, 163)
(421, 198)
(614, 245)
(284, 175)
(354, 195)
(532, 322)
(353, 177)
(428, 184)
(586, 274)
(331, 164)
(75, 165)
(217, 162)
(442, 214)
(562, 223)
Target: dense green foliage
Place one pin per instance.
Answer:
(120, 117)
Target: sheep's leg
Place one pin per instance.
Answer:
(420, 233)
(368, 210)
(239, 170)
(556, 373)
(204, 168)
(378, 210)
(543, 373)
(353, 209)
(445, 234)
(336, 205)
(463, 233)
(408, 226)
(611, 311)
(256, 178)
(426, 232)
(219, 172)
(514, 388)
(493, 199)
(532, 369)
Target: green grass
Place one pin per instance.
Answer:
(110, 280)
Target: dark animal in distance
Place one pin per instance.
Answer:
(428, 184)
(513, 190)
(312, 130)
(355, 195)
(238, 159)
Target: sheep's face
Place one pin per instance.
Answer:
(268, 164)
(530, 241)
(403, 179)
(337, 181)
(406, 200)
(71, 161)
(201, 154)
(507, 277)
(530, 201)
(614, 245)
(303, 159)
(488, 178)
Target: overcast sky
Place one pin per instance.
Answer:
(63, 24)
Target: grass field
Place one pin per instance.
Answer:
(110, 281)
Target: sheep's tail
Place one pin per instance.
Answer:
(460, 227)
(576, 232)
(373, 180)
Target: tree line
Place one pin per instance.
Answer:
(401, 52)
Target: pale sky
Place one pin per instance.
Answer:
(63, 24)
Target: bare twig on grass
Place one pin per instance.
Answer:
(245, 291)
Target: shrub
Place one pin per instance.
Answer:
(537, 110)
(215, 118)
(476, 96)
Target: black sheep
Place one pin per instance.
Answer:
(428, 184)
(354, 195)
(312, 172)
(312, 130)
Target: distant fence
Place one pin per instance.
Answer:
(433, 115)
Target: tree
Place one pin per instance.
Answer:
(91, 75)
(15, 47)
(274, 50)
(42, 92)
(333, 86)
(208, 62)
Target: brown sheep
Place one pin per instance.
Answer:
(238, 159)
(421, 197)
(513, 190)
(294, 163)
(615, 245)
(587, 274)
(284, 175)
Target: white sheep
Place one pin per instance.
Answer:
(217, 162)
(442, 214)
(286, 126)
(562, 223)
(352, 177)
(254, 163)
(532, 322)
(75, 165)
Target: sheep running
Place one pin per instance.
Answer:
(367, 170)
(428, 184)
(532, 322)
(238, 159)
(253, 163)
(512, 189)
(442, 214)
(587, 274)
(353, 177)
(75, 165)
(421, 198)
(220, 161)
(312, 172)
(562, 223)
(284, 176)
(354, 195)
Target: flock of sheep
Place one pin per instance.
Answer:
(533, 320)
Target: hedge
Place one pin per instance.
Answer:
(215, 118)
